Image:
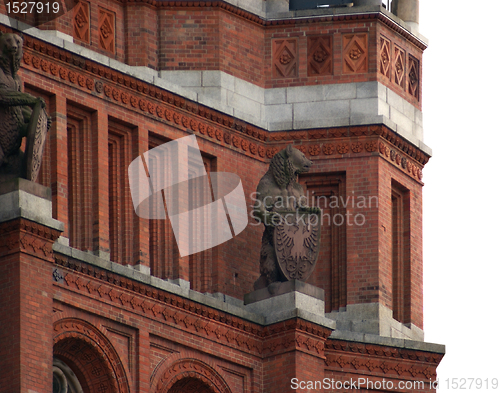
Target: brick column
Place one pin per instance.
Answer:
(143, 359)
(27, 233)
(59, 161)
(295, 338)
(100, 230)
(294, 356)
(142, 41)
(141, 257)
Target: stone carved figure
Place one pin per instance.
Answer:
(290, 242)
(17, 118)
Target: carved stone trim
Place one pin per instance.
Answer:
(406, 158)
(163, 306)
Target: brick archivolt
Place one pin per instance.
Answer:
(169, 374)
(94, 355)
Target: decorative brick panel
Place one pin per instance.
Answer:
(200, 264)
(319, 55)
(413, 77)
(400, 242)
(106, 30)
(80, 201)
(26, 263)
(385, 57)
(163, 251)
(81, 21)
(285, 58)
(399, 66)
(331, 270)
(121, 211)
(355, 53)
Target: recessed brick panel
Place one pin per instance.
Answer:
(355, 53)
(414, 77)
(106, 30)
(80, 179)
(81, 21)
(385, 57)
(285, 58)
(121, 210)
(320, 55)
(399, 66)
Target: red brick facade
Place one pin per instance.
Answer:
(181, 35)
(118, 334)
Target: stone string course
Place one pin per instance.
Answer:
(165, 106)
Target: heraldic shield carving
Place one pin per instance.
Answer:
(21, 115)
(296, 242)
(35, 142)
(291, 238)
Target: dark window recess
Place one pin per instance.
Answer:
(313, 4)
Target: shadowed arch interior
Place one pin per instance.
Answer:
(91, 369)
(190, 385)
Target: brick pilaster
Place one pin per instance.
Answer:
(26, 270)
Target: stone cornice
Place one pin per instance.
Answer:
(188, 315)
(209, 323)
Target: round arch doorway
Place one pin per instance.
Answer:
(85, 361)
(188, 375)
(191, 385)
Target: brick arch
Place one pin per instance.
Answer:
(90, 355)
(190, 375)
(190, 385)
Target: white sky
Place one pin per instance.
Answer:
(461, 86)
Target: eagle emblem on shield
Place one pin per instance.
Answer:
(296, 242)
(37, 133)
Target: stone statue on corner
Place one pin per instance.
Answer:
(21, 115)
(290, 243)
